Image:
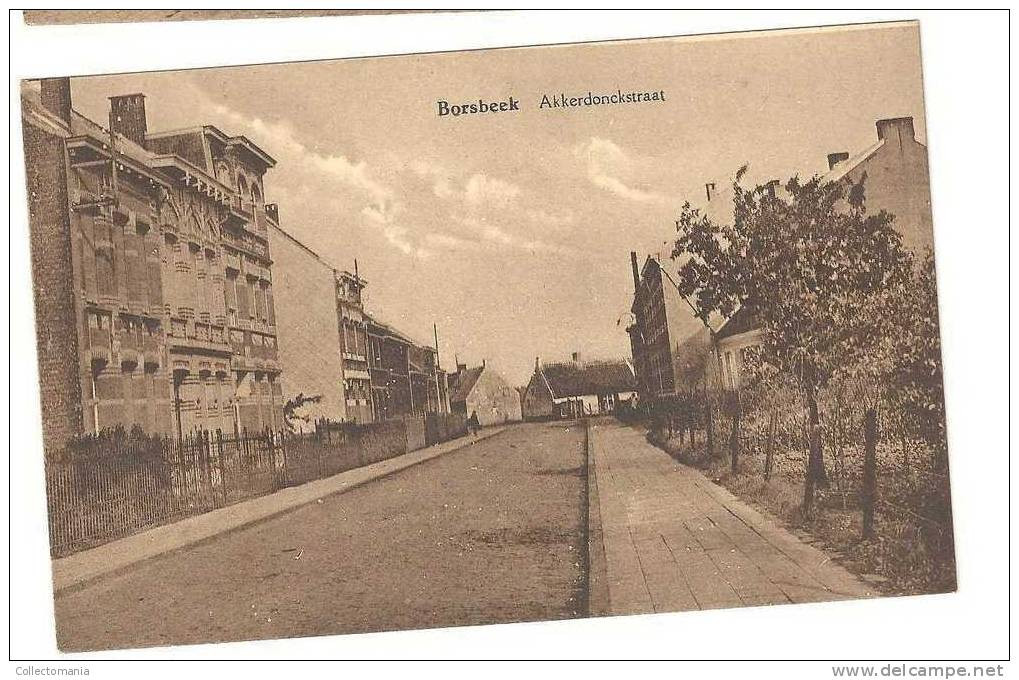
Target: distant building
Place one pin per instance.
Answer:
(152, 271)
(897, 181)
(576, 388)
(660, 324)
(309, 332)
(481, 390)
(405, 376)
(353, 324)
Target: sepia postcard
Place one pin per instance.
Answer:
(492, 336)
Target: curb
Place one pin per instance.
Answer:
(85, 567)
(597, 573)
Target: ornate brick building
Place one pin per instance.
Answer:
(151, 266)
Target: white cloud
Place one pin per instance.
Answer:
(607, 165)
(482, 190)
(545, 219)
(479, 191)
(494, 234)
(381, 207)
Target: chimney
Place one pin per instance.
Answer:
(460, 368)
(55, 94)
(127, 117)
(836, 158)
(537, 364)
(576, 357)
(895, 129)
(484, 362)
(709, 190)
(636, 271)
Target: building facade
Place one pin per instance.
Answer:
(310, 342)
(353, 325)
(666, 340)
(483, 391)
(405, 376)
(150, 255)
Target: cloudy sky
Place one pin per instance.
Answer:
(512, 231)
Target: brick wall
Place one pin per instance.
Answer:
(55, 315)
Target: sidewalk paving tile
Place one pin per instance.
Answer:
(674, 541)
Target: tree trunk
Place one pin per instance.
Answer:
(769, 452)
(734, 441)
(869, 494)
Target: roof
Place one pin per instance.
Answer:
(845, 167)
(392, 332)
(691, 355)
(464, 382)
(229, 140)
(742, 321)
(569, 379)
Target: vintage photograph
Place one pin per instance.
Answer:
(505, 335)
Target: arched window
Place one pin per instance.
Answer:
(256, 194)
(242, 185)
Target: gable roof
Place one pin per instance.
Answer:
(464, 382)
(569, 379)
(742, 321)
(845, 167)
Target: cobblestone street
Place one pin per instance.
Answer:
(491, 533)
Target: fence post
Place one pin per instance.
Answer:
(769, 453)
(734, 444)
(203, 444)
(709, 426)
(219, 463)
(869, 493)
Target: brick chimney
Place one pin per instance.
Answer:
(636, 271)
(836, 158)
(895, 129)
(127, 117)
(577, 359)
(55, 94)
(709, 190)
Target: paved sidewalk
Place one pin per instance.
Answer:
(671, 540)
(89, 565)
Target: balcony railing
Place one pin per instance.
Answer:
(99, 344)
(272, 211)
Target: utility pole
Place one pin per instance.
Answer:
(438, 392)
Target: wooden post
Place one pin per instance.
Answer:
(734, 445)
(769, 452)
(709, 430)
(869, 492)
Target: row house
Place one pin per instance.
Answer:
(353, 327)
(150, 255)
(310, 351)
(658, 316)
(353, 367)
(405, 376)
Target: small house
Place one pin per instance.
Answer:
(574, 389)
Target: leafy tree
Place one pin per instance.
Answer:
(808, 263)
(290, 409)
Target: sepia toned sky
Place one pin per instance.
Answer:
(512, 231)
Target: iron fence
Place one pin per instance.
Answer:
(104, 487)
